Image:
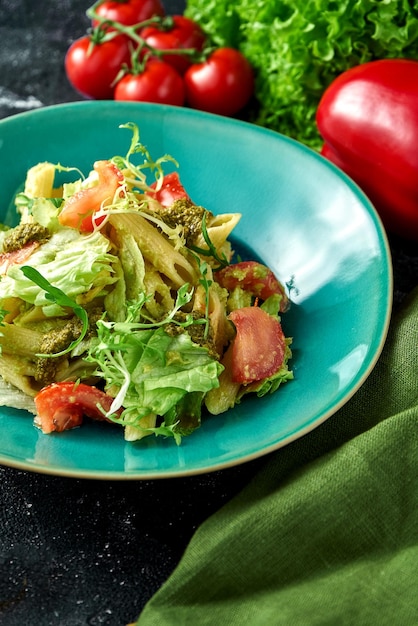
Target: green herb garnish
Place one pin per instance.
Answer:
(54, 294)
(211, 251)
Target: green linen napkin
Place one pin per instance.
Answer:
(327, 532)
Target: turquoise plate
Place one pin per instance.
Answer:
(300, 215)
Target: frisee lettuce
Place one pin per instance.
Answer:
(297, 48)
(134, 173)
(148, 371)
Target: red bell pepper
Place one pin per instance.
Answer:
(368, 118)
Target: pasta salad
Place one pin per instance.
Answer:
(121, 301)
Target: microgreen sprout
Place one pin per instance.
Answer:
(135, 313)
(211, 250)
(56, 295)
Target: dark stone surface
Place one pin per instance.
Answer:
(75, 552)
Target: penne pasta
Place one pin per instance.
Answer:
(40, 181)
(159, 297)
(20, 340)
(13, 397)
(219, 228)
(157, 249)
(217, 313)
(19, 372)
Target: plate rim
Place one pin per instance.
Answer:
(123, 475)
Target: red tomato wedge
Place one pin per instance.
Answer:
(78, 210)
(16, 257)
(170, 191)
(253, 277)
(62, 406)
(259, 346)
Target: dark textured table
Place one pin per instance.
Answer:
(75, 552)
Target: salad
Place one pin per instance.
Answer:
(121, 301)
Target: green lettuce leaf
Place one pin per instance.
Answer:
(297, 48)
(44, 211)
(149, 371)
(70, 261)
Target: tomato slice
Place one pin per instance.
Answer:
(78, 210)
(259, 346)
(62, 406)
(17, 257)
(253, 277)
(170, 191)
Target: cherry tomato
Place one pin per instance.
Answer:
(222, 84)
(92, 68)
(61, 406)
(158, 82)
(253, 277)
(170, 190)
(184, 33)
(259, 346)
(78, 210)
(129, 12)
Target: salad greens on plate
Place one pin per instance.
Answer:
(121, 301)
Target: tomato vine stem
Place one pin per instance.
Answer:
(107, 29)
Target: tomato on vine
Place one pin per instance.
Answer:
(92, 64)
(152, 57)
(178, 33)
(127, 12)
(222, 84)
(157, 82)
